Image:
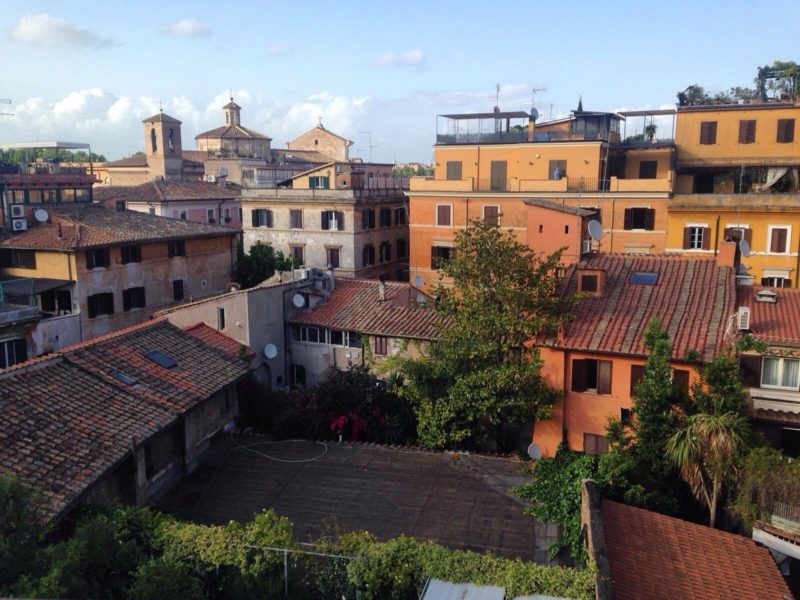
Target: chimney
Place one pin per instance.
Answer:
(381, 289)
(728, 254)
(531, 127)
(331, 278)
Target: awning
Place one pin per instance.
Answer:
(779, 273)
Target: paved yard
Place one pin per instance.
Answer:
(460, 501)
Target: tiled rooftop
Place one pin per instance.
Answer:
(570, 210)
(167, 191)
(658, 557)
(91, 226)
(693, 298)
(355, 305)
(773, 322)
(232, 132)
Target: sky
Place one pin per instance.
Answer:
(90, 71)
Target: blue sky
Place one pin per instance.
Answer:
(90, 71)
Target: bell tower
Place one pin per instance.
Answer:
(162, 142)
(232, 113)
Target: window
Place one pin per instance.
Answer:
(297, 255)
(737, 233)
(227, 213)
(332, 219)
(164, 361)
(153, 144)
(648, 169)
(696, 237)
(778, 240)
(557, 169)
(440, 254)
(120, 204)
(12, 352)
(640, 218)
(780, 373)
(454, 169)
(133, 298)
(588, 283)
(178, 293)
(183, 215)
(337, 338)
(20, 259)
(400, 216)
(680, 382)
(100, 257)
(220, 318)
(151, 210)
(319, 182)
(386, 217)
(298, 375)
(402, 248)
(594, 443)
(210, 215)
(368, 255)
(590, 375)
(332, 258)
(776, 282)
(380, 345)
(637, 372)
(443, 214)
(262, 217)
(368, 218)
(57, 302)
(785, 131)
(100, 304)
(491, 215)
(296, 218)
(644, 277)
(498, 181)
(708, 132)
(170, 140)
(176, 248)
(747, 132)
(385, 252)
(131, 254)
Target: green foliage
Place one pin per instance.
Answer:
(720, 388)
(165, 579)
(50, 155)
(750, 343)
(482, 371)
(409, 171)
(21, 528)
(765, 477)
(259, 264)
(555, 492)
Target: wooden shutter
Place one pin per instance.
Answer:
(785, 131)
(126, 299)
(578, 375)
(637, 372)
(778, 243)
(498, 182)
(750, 368)
(326, 220)
(491, 215)
(454, 169)
(628, 218)
(254, 218)
(706, 238)
(340, 220)
(443, 215)
(708, 132)
(650, 219)
(680, 381)
(687, 238)
(269, 218)
(747, 131)
(589, 443)
(603, 376)
(20, 350)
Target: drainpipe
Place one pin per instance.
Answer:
(716, 237)
(797, 266)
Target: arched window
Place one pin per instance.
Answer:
(153, 143)
(227, 118)
(170, 141)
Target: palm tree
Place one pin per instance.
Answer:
(704, 450)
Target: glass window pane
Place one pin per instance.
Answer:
(769, 372)
(791, 369)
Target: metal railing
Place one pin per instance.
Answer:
(516, 136)
(16, 294)
(588, 184)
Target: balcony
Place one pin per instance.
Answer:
(565, 184)
(17, 301)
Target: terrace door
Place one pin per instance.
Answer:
(499, 172)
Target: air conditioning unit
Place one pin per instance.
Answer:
(743, 318)
(211, 178)
(19, 225)
(301, 274)
(587, 246)
(17, 211)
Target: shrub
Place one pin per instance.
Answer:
(21, 527)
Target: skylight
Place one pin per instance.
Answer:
(644, 277)
(126, 379)
(161, 359)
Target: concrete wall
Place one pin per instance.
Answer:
(196, 211)
(205, 421)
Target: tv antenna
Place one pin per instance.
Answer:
(369, 133)
(534, 90)
(6, 101)
(497, 94)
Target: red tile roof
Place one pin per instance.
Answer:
(210, 335)
(67, 419)
(354, 305)
(232, 132)
(92, 226)
(137, 160)
(693, 297)
(658, 557)
(777, 322)
(167, 191)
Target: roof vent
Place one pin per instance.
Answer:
(766, 296)
(743, 318)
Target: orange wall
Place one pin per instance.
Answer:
(550, 230)
(633, 158)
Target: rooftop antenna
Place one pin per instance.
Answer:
(497, 95)
(533, 95)
(369, 133)
(160, 107)
(6, 101)
(550, 118)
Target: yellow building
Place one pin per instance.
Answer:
(737, 176)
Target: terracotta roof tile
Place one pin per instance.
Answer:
(137, 160)
(354, 305)
(570, 210)
(658, 557)
(167, 191)
(91, 226)
(693, 298)
(232, 132)
(774, 322)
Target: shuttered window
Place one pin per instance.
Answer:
(443, 215)
(98, 258)
(696, 238)
(738, 233)
(386, 217)
(680, 382)
(747, 131)
(648, 169)
(100, 304)
(785, 131)
(708, 132)
(590, 375)
(750, 367)
(296, 218)
(594, 443)
(401, 248)
(491, 215)
(454, 169)
(332, 219)
(133, 298)
(262, 217)
(640, 218)
(13, 352)
(778, 240)
(557, 169)
(368, 218)
(637, 372)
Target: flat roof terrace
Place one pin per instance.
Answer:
(458, 500)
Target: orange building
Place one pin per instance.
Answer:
(486, 165)
(596, 358)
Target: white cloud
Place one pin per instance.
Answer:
(277, 49)
(188, 27)
(45, 30)
(411, 58)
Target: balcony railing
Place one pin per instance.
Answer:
(518, 136)
(17, 300)
(565, 184)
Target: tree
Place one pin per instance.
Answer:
(409, 171)
(636, 469)
(765, 477)
(260, 263)
(705, 450)
(482, 371)
(21, 528)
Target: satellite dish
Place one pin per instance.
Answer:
(421, 299)
(744, 247)
(417, 280)
(270, 351)
(534, 451)
(534, 114)
(595, 229)
(299, 300)
(41, 215)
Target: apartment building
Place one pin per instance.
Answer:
(350, 216)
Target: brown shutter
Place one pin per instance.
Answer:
(706, 238)
(650, 219)
(578, 375)
(340, 220)
(603, 376)
(443, 215)
(680, 381)
(326, 220)
(628, 218)
(637, 372)
(750, 367)
(728, 234)
(748, 235)
(785, 131)
(778, 240)
(687, 237)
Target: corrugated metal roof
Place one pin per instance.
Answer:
(436, 589)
